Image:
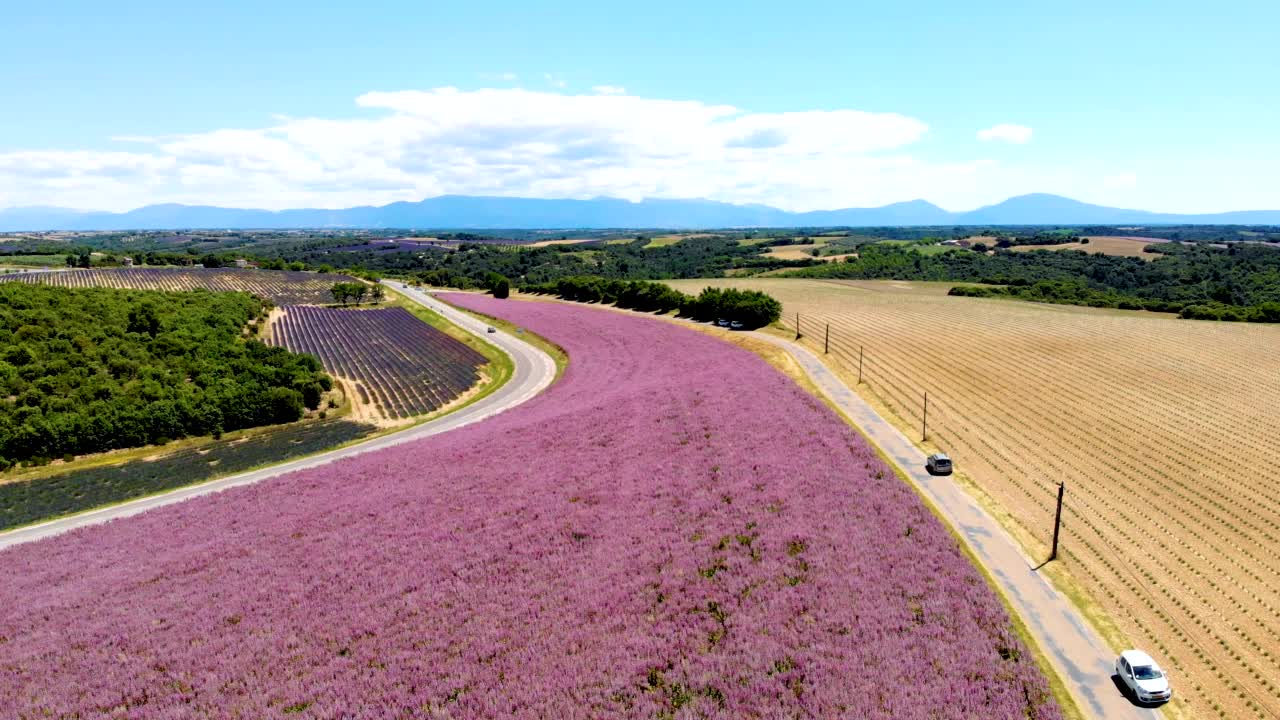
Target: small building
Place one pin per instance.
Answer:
(242, 263)
(126, 261)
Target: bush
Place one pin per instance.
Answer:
(501, 288)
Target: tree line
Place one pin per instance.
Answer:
(752, 308)
(95, 369)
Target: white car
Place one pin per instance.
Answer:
(1143, 677)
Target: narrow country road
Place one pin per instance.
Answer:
(534, 371)
(1082, 659)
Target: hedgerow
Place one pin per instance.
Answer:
(750, 307)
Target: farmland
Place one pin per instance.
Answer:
(398, 365)
(1162, 429)
(632, 543)
(1107, 245)
(28, 501)
(280, 287)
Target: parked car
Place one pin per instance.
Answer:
(722, 322)
(491, 329)
(736, 325)
(938, 464)
(1142, 677)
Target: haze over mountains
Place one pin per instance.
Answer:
(474, 212)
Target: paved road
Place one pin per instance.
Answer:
(534, 371)
(1082, 659)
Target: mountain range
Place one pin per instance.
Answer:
(475, 212)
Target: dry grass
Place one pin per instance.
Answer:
(795, 252)
(573, 241)
(1124, 246)
(663, 240)
(1162, 430)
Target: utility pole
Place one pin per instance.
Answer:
(924, 423)
(1057, 521)
(826, 340)
(859, 364)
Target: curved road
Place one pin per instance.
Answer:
(534, 371)
(1081, 658)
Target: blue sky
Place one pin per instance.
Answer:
(1160, 105)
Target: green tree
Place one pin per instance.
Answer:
(501, 288)
(144, 319)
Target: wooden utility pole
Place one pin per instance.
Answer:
(924, 423)
(859, 364)
(1057, 521)
(826, 340)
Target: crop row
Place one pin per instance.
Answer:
(279, 286)
(401, 364)
(28, 501)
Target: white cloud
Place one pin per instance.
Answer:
(1006, 132)
(610, 89)
(504, 142)
(1120, 180)
(554, 80)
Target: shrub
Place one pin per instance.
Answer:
(501, 289)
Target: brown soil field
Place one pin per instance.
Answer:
(1107, 245)
(1161, 429)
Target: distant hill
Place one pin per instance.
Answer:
(472, 212)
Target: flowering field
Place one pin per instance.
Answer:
(278, 286)
(397, 363)
(635, 542)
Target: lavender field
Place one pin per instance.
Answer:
(397, 363)
(671, 530)
(278, 286)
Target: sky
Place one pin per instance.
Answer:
(1170, 106)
